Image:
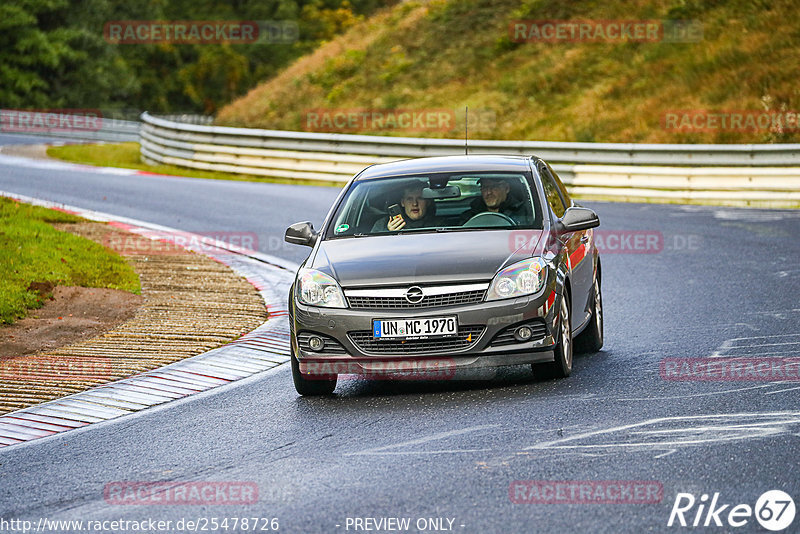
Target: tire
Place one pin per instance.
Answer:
(591, 339)
(562, 366)
(316, 387)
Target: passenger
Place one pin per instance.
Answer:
(417, 212)
(495, 198)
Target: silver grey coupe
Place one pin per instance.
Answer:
(427, 266)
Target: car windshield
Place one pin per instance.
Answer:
(435, 203)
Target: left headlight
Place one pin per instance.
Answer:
(316, 288)
(522, 278)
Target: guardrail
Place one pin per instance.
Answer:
(757, 175)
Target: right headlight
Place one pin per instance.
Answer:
(316, 288)
(526, 277)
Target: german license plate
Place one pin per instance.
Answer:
(420, 328)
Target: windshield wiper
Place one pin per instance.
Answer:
(349, 236)
(415, 230)
(440, 229)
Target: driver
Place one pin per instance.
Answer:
(495, 198)
(417, 212)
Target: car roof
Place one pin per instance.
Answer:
(476, 163)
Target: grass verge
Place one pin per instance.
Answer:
(126, 156)
(33, 252)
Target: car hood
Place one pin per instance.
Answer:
(423, 258)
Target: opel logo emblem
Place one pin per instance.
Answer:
(414, 295)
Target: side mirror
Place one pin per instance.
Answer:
(577, 218)
(301, 233)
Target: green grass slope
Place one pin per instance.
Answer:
(32, 251)
(446, 54)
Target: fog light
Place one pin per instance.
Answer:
(315, 343)
(523, 333)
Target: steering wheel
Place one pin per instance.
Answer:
(490, 218)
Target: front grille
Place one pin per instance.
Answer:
(430, 301)
(506, 337)
(467, 336)
(331, 345)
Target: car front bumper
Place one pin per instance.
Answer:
(349, 348)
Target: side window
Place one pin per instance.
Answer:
(561, 187)
(552, 192)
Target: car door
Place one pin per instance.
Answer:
(577, 244)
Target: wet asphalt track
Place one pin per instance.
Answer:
(727, 283)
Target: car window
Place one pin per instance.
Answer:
(552, 192)
(436, 202)
(561, 187)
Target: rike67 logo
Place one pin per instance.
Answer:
(774, 510)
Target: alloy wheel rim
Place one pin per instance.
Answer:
(598, 308)
(565, 333)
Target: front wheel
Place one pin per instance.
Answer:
(562, 366)
(320, 385)
(591, 339)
